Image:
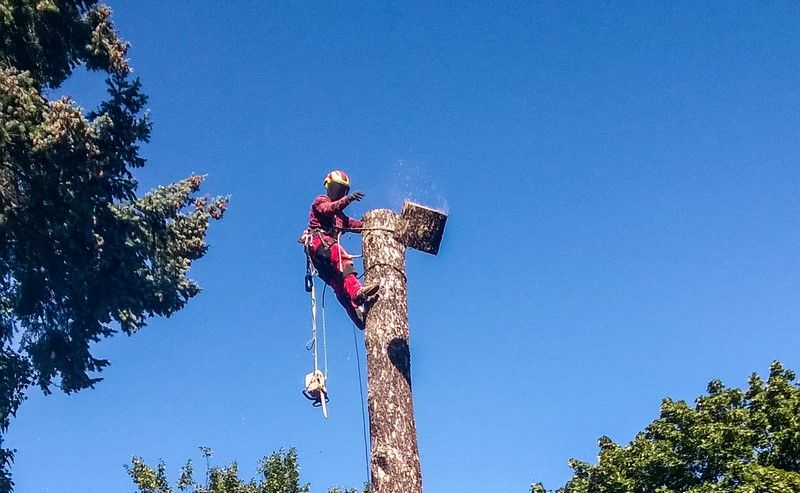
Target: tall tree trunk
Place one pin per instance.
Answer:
(395, 456)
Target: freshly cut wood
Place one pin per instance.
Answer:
(422, 227)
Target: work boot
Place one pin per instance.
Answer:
(366, 293)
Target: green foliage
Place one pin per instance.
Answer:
(731, 441)
(15, 374)
(278, 472)
(281, 473)
(49, 37)
(147, 479)
(82, 256)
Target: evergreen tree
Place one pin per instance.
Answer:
(731, 440)
(82, 255)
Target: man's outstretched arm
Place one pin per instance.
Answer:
(324, 205)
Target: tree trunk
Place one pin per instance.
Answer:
(395, 456)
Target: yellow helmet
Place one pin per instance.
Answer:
(337, 176)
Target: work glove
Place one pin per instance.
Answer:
(356, 196)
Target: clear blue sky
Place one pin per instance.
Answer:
(623, 186)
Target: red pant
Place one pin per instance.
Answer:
(335, 267)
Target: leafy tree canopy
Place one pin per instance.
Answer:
(82, 256)
(278, 472)
(731, 440)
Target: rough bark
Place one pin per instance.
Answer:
(395, 456)
(421, 227)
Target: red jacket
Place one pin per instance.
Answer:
(328, 215)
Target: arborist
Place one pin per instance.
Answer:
(327, 221)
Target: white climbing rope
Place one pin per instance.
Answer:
(315, 388)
